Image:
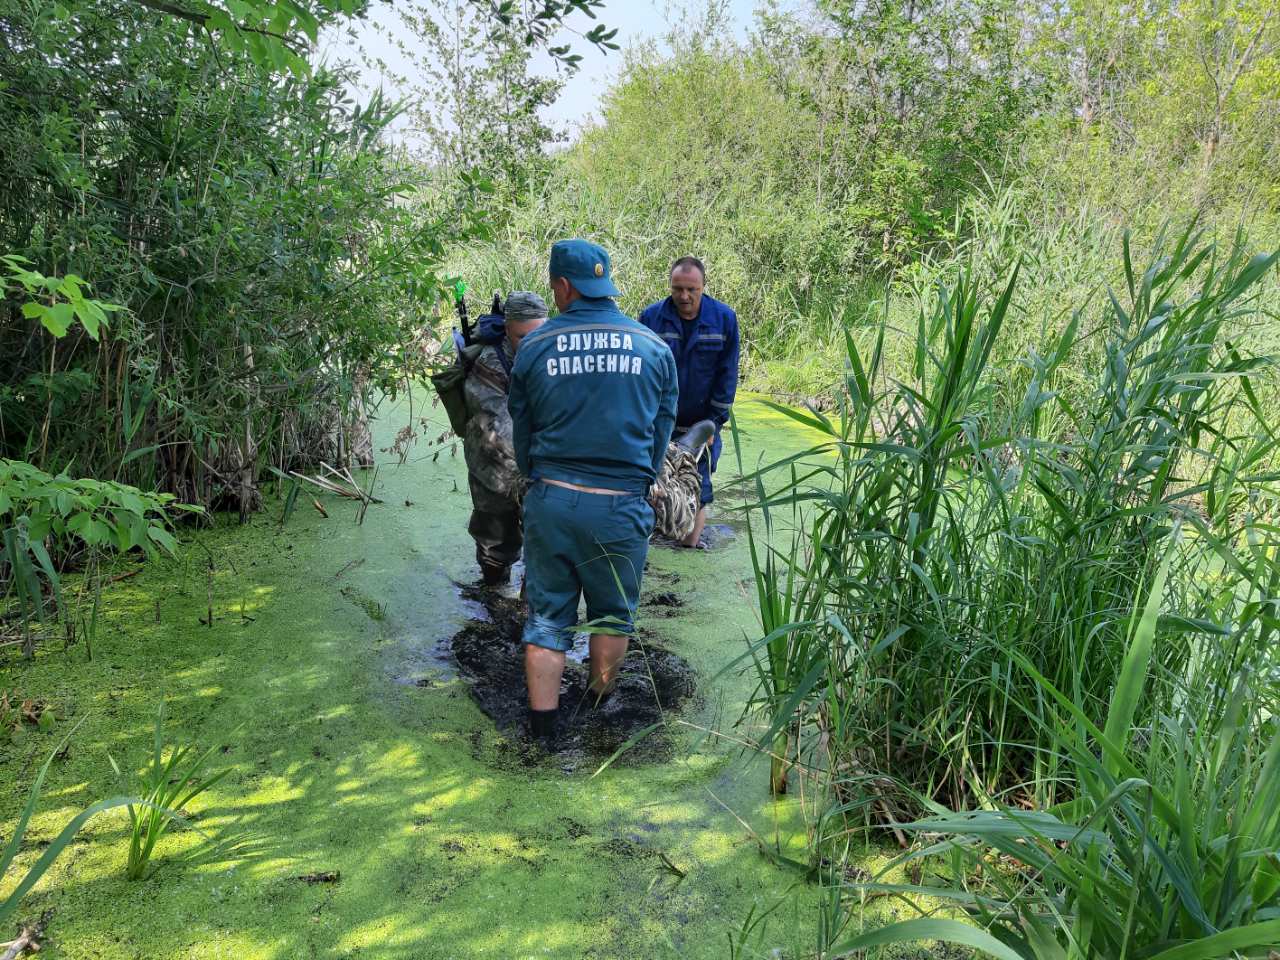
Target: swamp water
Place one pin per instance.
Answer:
(362, 752)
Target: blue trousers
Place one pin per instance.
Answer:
(582, 545)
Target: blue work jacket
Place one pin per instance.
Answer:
(706, 358)
(593, 399)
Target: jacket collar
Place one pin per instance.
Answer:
(592, 304)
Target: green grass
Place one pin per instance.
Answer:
(1168, 847)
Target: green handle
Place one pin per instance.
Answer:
(459, 291)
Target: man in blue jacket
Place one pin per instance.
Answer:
(593, 404)
(702, 333)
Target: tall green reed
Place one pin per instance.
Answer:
(949, 531)
(1170, 844)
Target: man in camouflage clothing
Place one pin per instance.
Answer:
(496, 485)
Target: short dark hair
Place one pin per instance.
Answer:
(689, 263)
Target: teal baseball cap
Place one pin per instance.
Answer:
(585, 265)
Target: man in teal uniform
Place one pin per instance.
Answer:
(593, 404)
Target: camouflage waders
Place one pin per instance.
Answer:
(495, 527)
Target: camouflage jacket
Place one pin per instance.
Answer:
(490, 455)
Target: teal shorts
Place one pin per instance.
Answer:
(582, 545)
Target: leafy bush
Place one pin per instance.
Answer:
(254, 226)
(38, 509)
(97, 513)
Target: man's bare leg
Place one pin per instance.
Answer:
(607, 651)
(543, 669)
(699, 522)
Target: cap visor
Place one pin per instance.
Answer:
(596, 287)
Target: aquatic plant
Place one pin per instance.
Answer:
(966, 638)
(167, 787)
(1169, 847)
(942, 535)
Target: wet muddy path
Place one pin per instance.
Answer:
(368, 709)
(654, 683)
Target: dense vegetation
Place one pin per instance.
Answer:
(1018, 605)
(245, 221)
(1059, 614)
(844, 159)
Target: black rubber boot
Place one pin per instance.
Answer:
(494, 576)
(696, 438)
(542, 728)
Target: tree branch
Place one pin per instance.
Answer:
(202, 20)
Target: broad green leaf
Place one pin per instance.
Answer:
(1266, 934)
(928, 928)
(58, 319)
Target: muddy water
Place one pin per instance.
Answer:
(715, 536)
(653, 683)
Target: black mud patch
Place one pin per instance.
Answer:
(652, 682)
(664, 599)
(664, 604)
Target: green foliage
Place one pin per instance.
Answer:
(167, 786)
(950, 623)
(274, 258)
(838, 159)
(943, 535)
(1163, 106)
(96, 513)
(13, 899)
(779, 165)
(276, 35)
(66, 300)
(1168, 849)
(249, 223)
(473, 100)
(40, 512)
